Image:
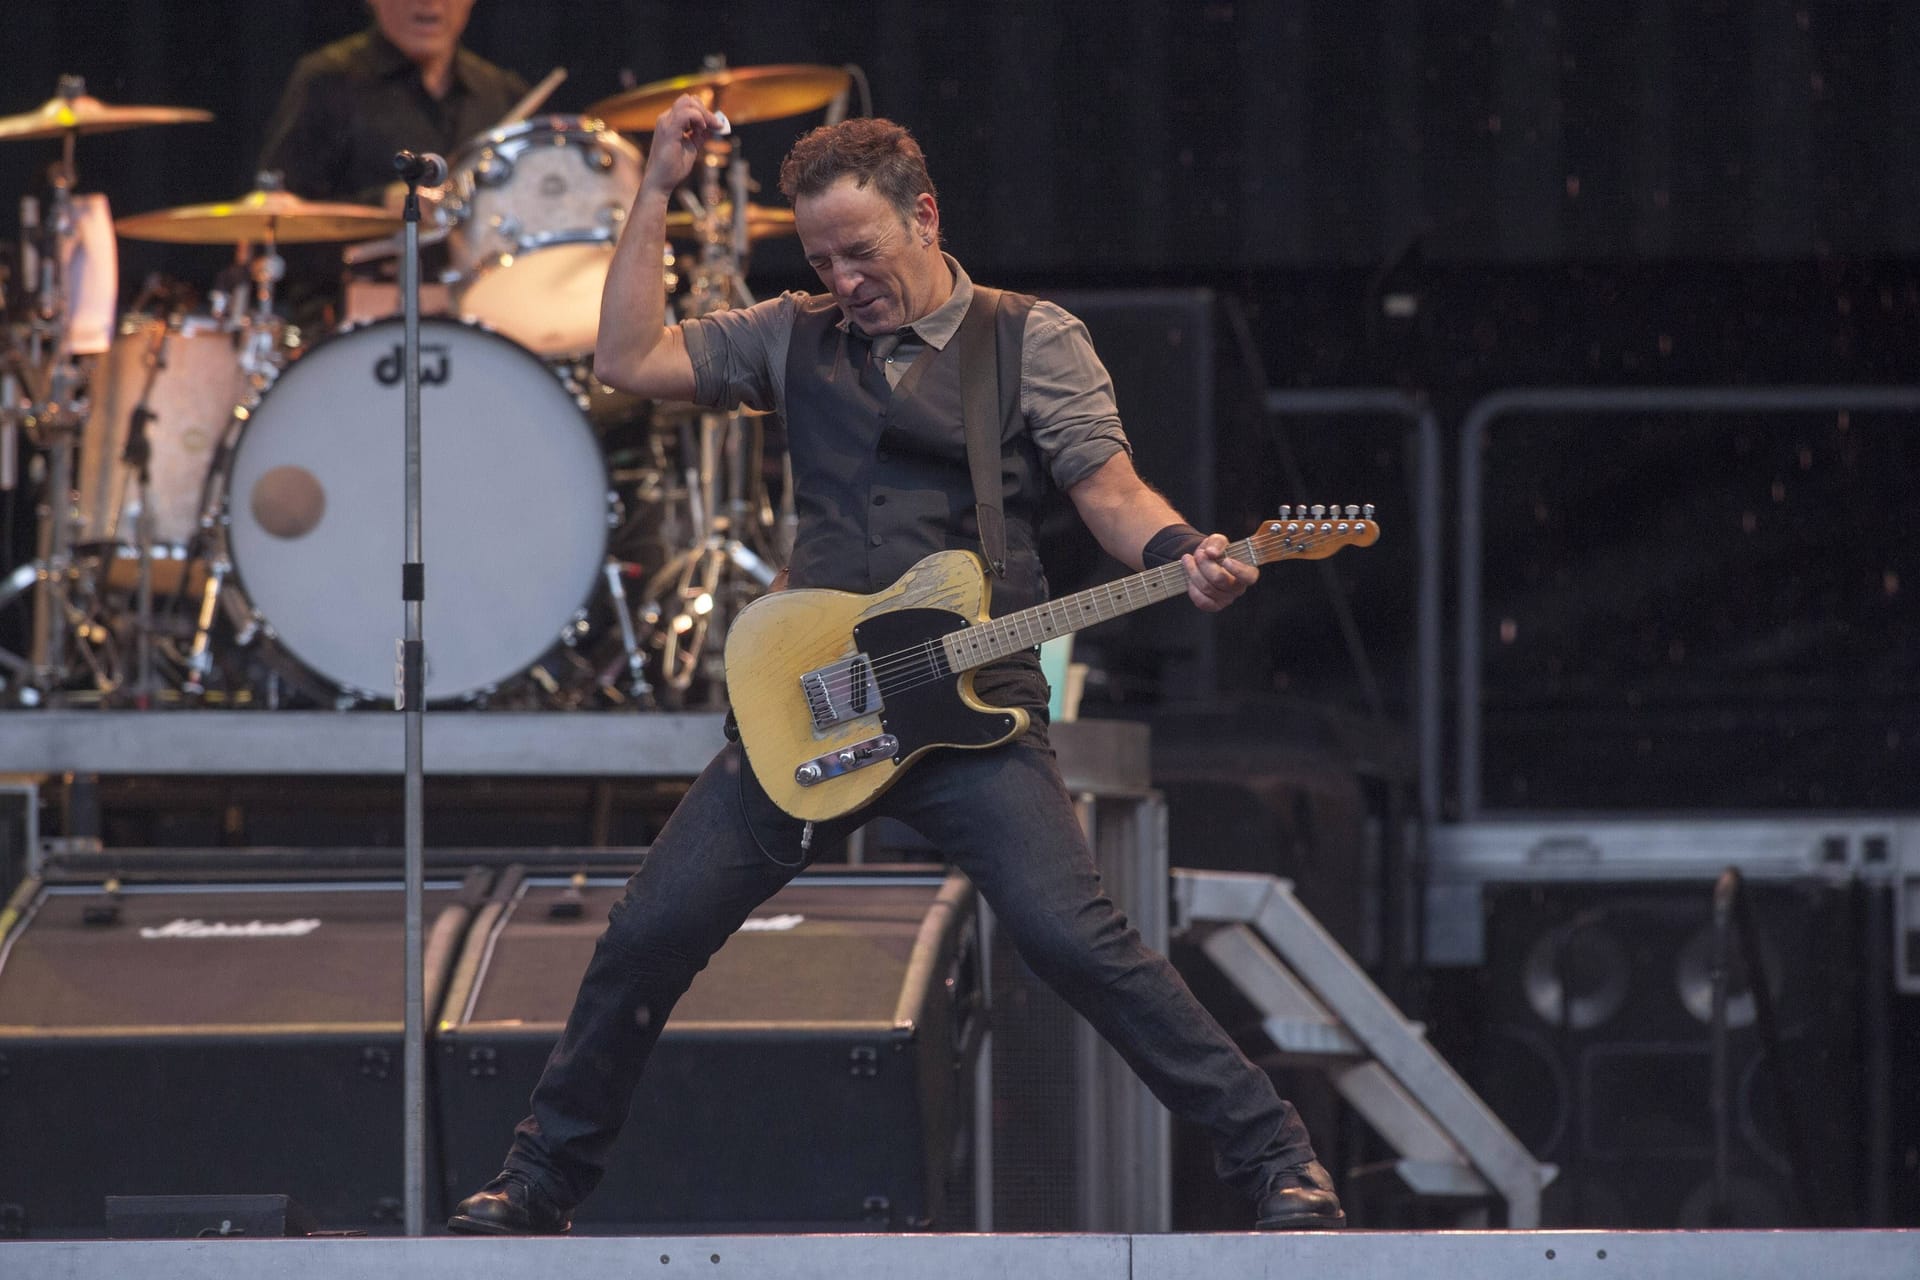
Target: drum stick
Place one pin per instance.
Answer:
(535, 96)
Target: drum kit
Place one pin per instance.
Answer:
(219, 494)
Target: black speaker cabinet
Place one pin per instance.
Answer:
(1159, 345)
(1597, 1052)
(210, 1039)
(817, 1075)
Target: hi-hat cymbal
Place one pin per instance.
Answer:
(84, 114)
(280, 216)
(743, 94)
(763, 221)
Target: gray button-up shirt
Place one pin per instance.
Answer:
(740, 357)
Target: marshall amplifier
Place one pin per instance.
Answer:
(817, 1075)
(160, 1037)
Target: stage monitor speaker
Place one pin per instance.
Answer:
(1597, 1052)
(168, 1037)
(818, 1075)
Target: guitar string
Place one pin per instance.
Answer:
(889, 669)
(886, 667)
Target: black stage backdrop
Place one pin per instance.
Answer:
(1171, 134)
(1449, 197)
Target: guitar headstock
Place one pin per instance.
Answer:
(1313, 532)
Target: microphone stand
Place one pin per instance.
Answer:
(411, 702)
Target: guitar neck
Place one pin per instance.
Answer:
(990, 641)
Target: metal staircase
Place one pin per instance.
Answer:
(1321, 1008)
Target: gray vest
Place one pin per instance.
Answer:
(881, 475)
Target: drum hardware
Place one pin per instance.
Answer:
(728, 558)
(233, 356)
(68, 264)
(137, 455)
(266, 217)
(731, 553)
(165, 403)
(638, 687)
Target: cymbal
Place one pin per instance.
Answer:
(763, 222)
(85, 114)
(260, 215)
(743, 94)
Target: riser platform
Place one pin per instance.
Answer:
(1354, 1255)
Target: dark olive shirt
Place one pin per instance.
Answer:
(351, 105)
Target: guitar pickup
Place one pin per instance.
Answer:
(847, 759)
(840, 691)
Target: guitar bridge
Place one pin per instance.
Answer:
(847, 759)
(840, 691)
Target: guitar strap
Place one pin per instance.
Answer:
(980, 414)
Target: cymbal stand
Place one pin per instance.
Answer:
(261, 358)
(693, 597)
(138, 455)
(52, 412)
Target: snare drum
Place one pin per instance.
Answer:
(513, 509)
(187, 375)
(536, 208)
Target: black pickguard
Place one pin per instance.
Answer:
(930, 713)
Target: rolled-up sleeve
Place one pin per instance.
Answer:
(1067, 397)
(740, 355)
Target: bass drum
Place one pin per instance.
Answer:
(513, 509)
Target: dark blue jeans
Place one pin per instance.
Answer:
(1001, 815)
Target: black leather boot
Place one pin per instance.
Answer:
(1299, 1198)
(510, 1205)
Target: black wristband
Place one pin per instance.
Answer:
(1170, 544)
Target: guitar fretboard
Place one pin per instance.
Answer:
(1283, 539)
(985, 642)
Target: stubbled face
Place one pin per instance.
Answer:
(424, 30)
(885, 273)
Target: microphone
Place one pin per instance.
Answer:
(426, 169)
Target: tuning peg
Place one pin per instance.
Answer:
(1367, 510)
(1286, 511)
(1352, 511)
(1319, 509)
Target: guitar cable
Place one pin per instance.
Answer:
(806, 831)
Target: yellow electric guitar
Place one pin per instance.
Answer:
(836, 693)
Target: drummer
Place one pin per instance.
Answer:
(406, 83)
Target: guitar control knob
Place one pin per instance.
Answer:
(807, 773)
(849, 757)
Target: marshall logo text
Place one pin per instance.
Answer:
(184, 928)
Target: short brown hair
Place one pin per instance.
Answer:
(872, 151)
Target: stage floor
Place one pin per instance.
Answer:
(1483, 1255)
